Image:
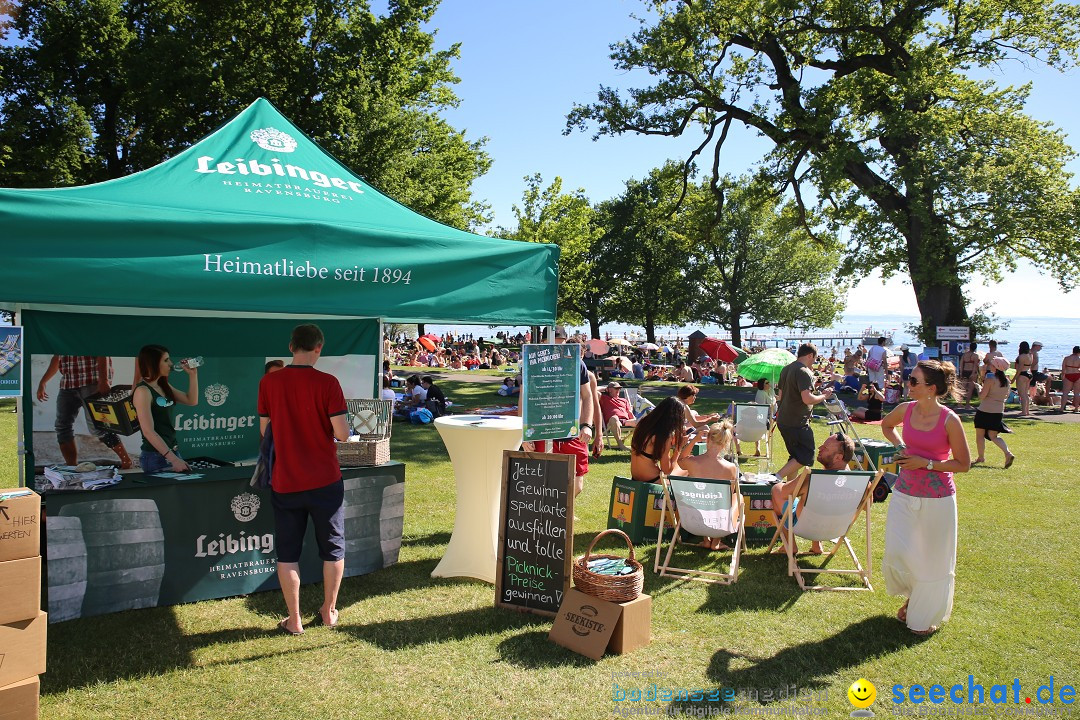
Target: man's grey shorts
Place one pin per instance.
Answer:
(799, 441)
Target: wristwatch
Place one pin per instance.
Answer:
(929, 464)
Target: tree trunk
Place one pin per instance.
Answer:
(650, 330)
(935, 277)
(735, 326)
(419, 329)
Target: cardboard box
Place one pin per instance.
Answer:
(20, 589)
(590, 626)
(22, 649)
(19, 701)
(634, 628)
(20, 524)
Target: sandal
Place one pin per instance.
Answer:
(333, 617)
(901, 614)
(924, 633)
(980, 461)
(282, 628)
(1009, 461)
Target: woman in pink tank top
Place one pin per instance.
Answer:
(920, 531)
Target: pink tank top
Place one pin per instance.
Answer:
(932, 445)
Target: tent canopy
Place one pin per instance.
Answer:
(257, 217)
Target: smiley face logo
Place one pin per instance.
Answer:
(862, 694)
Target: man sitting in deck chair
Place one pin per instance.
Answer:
(706, 503)
(834, 454)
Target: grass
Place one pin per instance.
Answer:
(413, 646)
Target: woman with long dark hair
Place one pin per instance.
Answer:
(153, 399)
(920, 531)
(988, 417)
(1023, 378)
(660, 439)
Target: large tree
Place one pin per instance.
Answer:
(549, 215)
(872, 107)
(97, 89)
(647, 251)
(754, 264)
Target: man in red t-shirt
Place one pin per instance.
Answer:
(617, 412)
(307, 409)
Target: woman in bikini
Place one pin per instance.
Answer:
(920, 530)
(969, 371)
(1023, 378)
(660, 440)
(1070, 379)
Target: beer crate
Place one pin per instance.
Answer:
(758, 515)
(635, 508)
(882, 454)
(115, 415)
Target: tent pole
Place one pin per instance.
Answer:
(20, 452)
(379, 361)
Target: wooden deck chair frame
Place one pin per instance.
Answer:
(865, 502)
(767, 438)
(665, 569)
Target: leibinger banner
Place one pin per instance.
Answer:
(278, 178)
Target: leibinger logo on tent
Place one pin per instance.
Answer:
(261, 178)
(273, 140)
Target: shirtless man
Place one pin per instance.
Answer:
(969, 371)
(712, 466)
(834, 454)
(1070, 379)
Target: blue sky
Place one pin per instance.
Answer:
(524, 63)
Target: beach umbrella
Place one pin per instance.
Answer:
(618, 341)
(624, 364)
(721, 350)
(765, 364)
(427, 342)
(598, 347)
(648, 346)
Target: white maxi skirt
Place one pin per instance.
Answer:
(920, 556)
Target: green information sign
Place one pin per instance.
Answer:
(550, 396)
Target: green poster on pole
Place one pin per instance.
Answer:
(550, 399)
(11, 365)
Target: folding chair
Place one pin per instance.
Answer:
(636, 400)
(709, 508)
(830, 503)
(752, 425)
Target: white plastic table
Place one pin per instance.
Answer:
(476, 444)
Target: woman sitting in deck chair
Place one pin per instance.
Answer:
(712, 466)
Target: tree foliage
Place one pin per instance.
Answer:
(98, 89)
(755, 265)
(872, 107)
(647, 251)
(549, 215)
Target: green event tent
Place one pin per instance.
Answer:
(258, 218)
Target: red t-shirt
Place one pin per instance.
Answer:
(300, 400)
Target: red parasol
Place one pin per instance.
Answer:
(719, 349)
(598, 347)
(426, 342)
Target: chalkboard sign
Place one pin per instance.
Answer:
(551, 391)
(536, 532)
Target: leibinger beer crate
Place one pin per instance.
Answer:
(635, 509)
(882, 454)
(113, 411)
(757, 511)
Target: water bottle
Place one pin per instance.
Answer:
(192, 363)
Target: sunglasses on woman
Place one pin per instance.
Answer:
(915, 382)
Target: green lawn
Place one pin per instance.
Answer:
(411, 646)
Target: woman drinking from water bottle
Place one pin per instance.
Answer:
(153, 397)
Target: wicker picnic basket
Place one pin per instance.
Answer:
(371, 421)
(613, 588)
